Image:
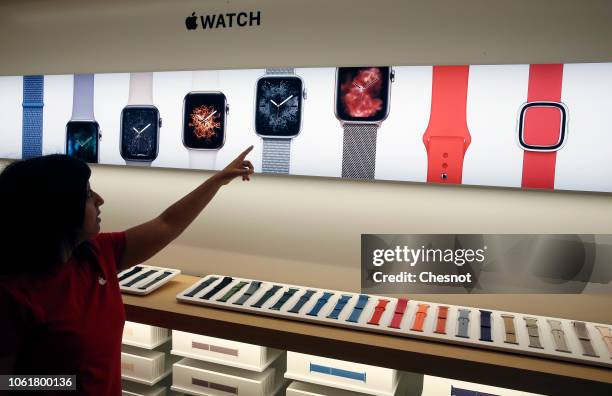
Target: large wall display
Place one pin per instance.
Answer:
(529, 126)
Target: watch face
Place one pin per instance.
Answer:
(278, 102)
(82, 139)
(139, 133)
(204, 120)
(362, 93)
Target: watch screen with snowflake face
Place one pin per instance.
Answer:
(278, 106)
(204, 120)
(362, 93)
(139, 133)
(82, 140)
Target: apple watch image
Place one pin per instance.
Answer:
(362, 103)
(83, 133)
(140, 123)
(204, 121)
(279, 99)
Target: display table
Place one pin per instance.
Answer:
(468, 364)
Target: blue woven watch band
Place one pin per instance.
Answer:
(33, 88)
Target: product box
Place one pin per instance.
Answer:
(144, 336)
(410, 384)
(197, 377)
(435, 386)
(129, 388)
(354, 377)
(144, 365)
(221, 351)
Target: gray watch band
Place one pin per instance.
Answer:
(533, 332)
(253, 287)
(585, 340)
(558, 335)
(463, 323)
(359, 151)
(276, 155)
(280, 70)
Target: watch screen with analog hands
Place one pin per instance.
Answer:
(204, 120)
(139, 133)
(362, 93)
(278, 109)
(82, 140)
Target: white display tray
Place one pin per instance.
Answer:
(143, 335)
(498, 332)
(129, 388)
(221, 351)
(145, 366)
(136, 287)
(410, 384)
(435, 386)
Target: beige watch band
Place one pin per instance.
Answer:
(510, 329)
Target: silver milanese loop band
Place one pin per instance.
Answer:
(359, 151)
(280, 70)
(276, 155)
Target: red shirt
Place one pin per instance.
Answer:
(69, 321)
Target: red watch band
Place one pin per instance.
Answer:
(442, 315)
(378, 311)
(419, 317)
(447, 136)
(542, 129)
(400, 308)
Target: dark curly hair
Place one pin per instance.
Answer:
(42, 209)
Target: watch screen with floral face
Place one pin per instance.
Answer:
(82, 140)
(278, 102)
(204, 120)
(362, 93)
(139, 133)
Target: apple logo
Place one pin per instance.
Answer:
(191, 22)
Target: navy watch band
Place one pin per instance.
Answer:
(131, 272)
(272, 291)
(320, 303)
(156, 280)
(362, 301)
(224, 282)
(235, 289)
(485, 326)
(463, 323)
(139, 278)
(202, 286)
(302, 301)
(253, 287)
(339, 306)
(33, 92)
(286, 296)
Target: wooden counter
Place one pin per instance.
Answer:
(463, 363)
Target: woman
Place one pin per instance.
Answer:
(60, 301)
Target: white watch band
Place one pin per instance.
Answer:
(83, 98)
(204, 80)
(141, 89)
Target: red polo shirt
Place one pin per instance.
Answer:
(69, 321)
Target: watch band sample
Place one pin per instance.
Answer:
(320, 303)
(510, 329)
(362, 301)
(485, 326)
(419, 317)
(139, 278)
(33, 93)
(339, 306)
(202, 286)
(276, 157)
(463, 323)
(286, 296)
(214, 386)
(466, 392)
(585, 340)
(359, 151)
(303, 300)
(533, 332)
(157, 279)
(606, 335)
(400, 308)
(267, 295)
(379, 309)
(83, 98)
(441, 323)
(280, 70)
(447, 137)
(542, 119)
(224, 282)
(141, 89)
(235, 289)
(131, 272)
(253, 287)
(317, 368)
(558, 335)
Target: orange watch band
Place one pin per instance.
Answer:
(419, 317)
(447, 136)
(441, 323)
(378, 311)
